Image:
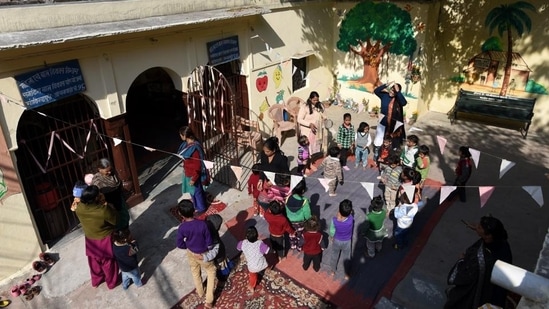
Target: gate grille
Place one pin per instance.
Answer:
(49, 187)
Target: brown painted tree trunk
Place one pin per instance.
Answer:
(371, 54)
(508, 64)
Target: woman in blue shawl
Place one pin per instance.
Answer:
(195, 174)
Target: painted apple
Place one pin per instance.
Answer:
(262, 81)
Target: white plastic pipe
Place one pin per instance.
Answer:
(520, 281)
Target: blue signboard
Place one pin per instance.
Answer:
(50, 84)
(223, 51)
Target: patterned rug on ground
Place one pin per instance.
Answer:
(215, 207)
(275, 290)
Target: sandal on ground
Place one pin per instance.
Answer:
(46, 258)
(4, 303)
(36, 277)
(35, 290)
(39, 266)
(15, 291)
(28, 296)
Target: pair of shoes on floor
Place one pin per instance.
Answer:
(332, 194)
(346, 168)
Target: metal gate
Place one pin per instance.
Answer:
(211, 106)
(58, 145)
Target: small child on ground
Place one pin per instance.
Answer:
(345, 139)
(278, 225)
(423, 163)
(254, 250)
(410, 177)
(404, 215)
(125, 251)
(217, 252)
(363, 140)
(384, 152)
(253, 189)
(303, 154)
(375, 228)
(390, 176)
(312, 244)
(409, 153)
(463, 172)
(298, 210)
(341, 231)
(332, 170)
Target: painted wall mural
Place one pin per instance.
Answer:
(370, 31)
(498, 68)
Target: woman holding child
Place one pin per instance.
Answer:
(309, 118)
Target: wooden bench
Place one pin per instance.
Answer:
(503, 111)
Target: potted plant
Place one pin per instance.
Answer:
(374, 112)
(416, 74)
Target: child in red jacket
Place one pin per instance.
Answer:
(253, 189)
(278, 225)
(312, 246)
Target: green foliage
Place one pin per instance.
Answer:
(458, 78)
(492, 44)
(384, 22)
(509, 17)
(533, 87)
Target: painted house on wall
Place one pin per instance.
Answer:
(487, 69)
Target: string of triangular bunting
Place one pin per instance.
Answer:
(484, 191)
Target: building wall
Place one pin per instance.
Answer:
(110, 65)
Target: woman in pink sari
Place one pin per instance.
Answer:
(98, 221)
(309, 118)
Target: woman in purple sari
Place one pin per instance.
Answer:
(98, 221)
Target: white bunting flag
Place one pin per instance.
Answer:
(237, 170)
(485, 192)
(360, 108)
(208, 164)
(369, 186)
(504, 167)
(254, 36)
(409, 190)
(380, 132)
(324, 182)
(475, 154)
(412, 129)
(445, 191)
(270, 176)
(150, 149)
(441, 143)
(398, 125)
(536, 193)
(294, 180)
(116, 141)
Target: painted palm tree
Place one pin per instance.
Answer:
(509, 18)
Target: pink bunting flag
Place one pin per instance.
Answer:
(369, 186)
(485, 193)
(324, 182)
(441, 143)
(475, 155)
(504, 167)
(445, 191)
(208, 164)
(294, 180)
(536, 193)
(237, 170)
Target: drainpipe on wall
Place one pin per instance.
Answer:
(520, 281)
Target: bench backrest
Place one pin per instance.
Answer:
(502, 106)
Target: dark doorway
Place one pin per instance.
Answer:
(155, 111)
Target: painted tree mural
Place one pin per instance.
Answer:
(370, 30)
(509, 18)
